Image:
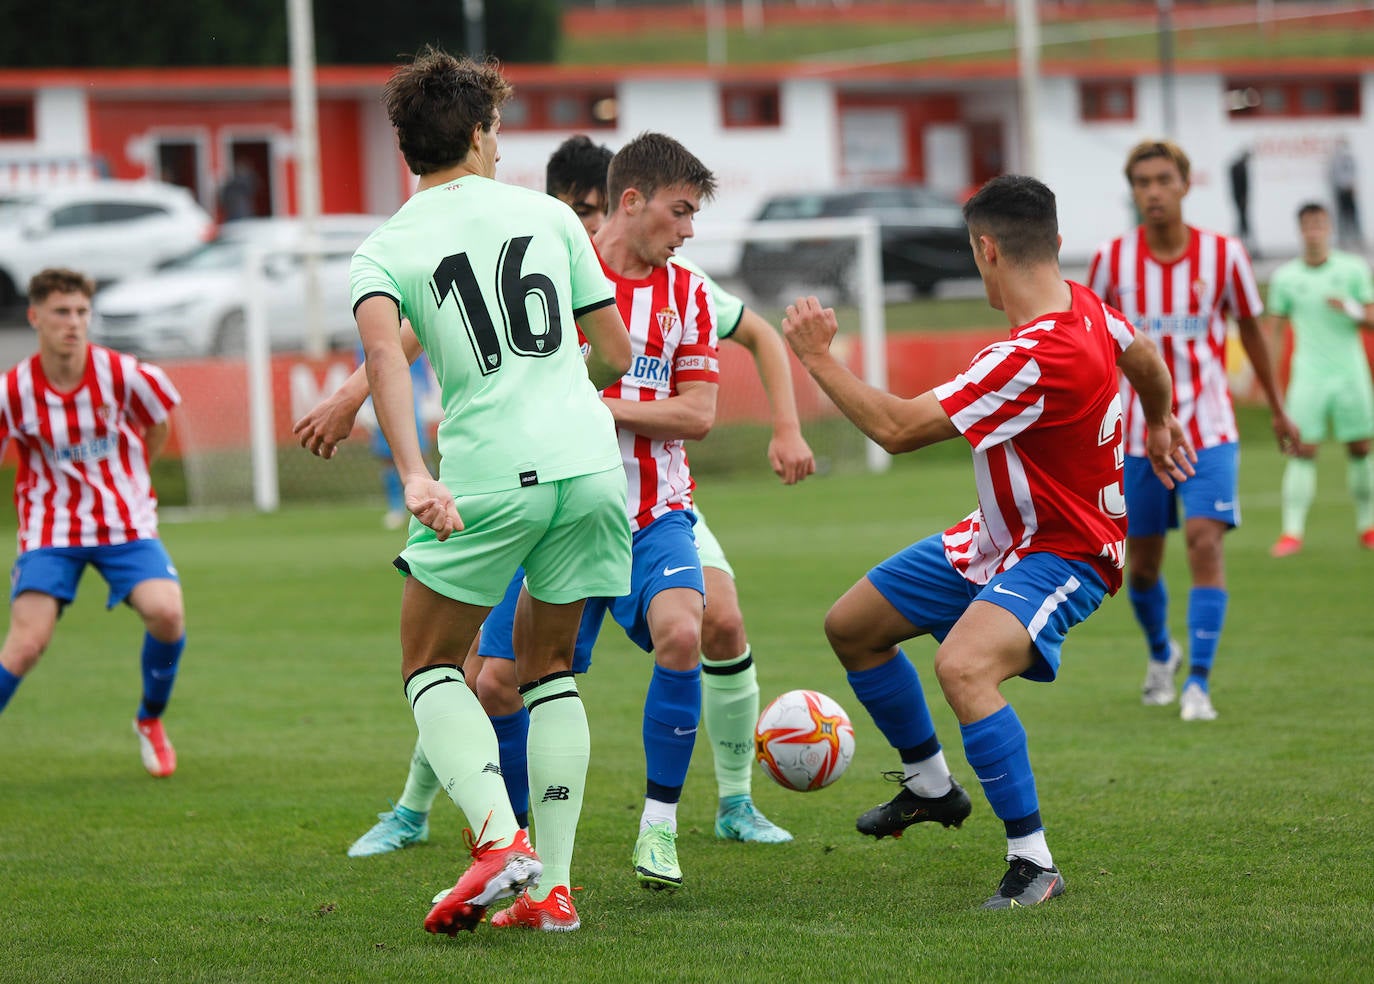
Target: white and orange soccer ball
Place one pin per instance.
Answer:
(804, 740)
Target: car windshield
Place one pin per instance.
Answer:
(221, 254)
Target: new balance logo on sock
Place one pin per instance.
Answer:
(492, 767)
(555, 793)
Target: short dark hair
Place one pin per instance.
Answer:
(1311, 208)
(59, 280)
(435, 103)
(652, 161)
(578, 166)
(1019, 213)
(1167, 149)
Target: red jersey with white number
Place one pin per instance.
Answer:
(673, 340)
(1183, 306)
(1043, 415)
(83, 468)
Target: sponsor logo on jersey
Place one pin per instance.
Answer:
(651, 371)
(695, 363)
(1176, 325)
(92, 450)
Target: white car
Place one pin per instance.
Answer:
(107, 230)
(194, 305)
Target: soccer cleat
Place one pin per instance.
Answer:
(1026, 883)
(391, 832)
(554, 915)
(906, 808)
(159, 757)
(739, 819)
(655, 858)
(1367, 539)
(495, 873)
(1286, 546)
(1196, 705)
(1158, 690)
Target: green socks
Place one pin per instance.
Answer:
(1359, 477)
(422, 785)
(559, 747)
(460, 745)
(730, 709)
(1298, 490)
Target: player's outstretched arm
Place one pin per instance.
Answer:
(609, 340)
(1257, 351)
(1171, 456)
(788, 453)
(328, 423)
(895, 424)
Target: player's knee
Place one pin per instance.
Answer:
(677, 645)
(165, 620)
(22, 652)
(497, 692)
(846, 636)
(958, 676)
(722, 632)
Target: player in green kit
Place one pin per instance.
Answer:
(492, 279)
(1327, 296)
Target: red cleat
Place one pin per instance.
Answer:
(554, 915)
(495, 873)
(1286, 546)
(159, 757)
(1367, 539)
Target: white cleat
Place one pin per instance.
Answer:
(1158, 690)
(1196, 705)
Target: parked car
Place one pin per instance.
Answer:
(924, 241)
(108, 230)
(194, 305)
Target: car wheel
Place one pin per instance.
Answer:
(231, 337)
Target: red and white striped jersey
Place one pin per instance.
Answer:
(1043, 415)
(672, 326)
(1183, 306)
(83, 468)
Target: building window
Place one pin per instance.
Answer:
(1107, 102)
(750, 106)
(561, 109)
(1293, 97)
(16, 118)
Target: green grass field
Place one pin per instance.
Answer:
(1233, 851)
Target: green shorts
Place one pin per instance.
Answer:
(708, 547)
(571, 536)
(1346, 401)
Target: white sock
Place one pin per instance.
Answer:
(656, 811)
(929, 778)
(1032, 847)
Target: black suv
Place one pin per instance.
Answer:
(924, 241)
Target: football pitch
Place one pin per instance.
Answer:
(1236, 850)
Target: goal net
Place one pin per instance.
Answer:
(233, 433)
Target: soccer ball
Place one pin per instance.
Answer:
(804, 740)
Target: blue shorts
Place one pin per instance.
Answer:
(498, 629)
(664, 555)
(1048, 595)
(1152, 510)
(56, 571)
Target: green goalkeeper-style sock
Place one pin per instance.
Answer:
(1359, 478)
(422, 785)
(730, 709)
(460, 745)
(1298, 489)
(559, 747)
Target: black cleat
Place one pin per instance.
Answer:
(1026, 883)
(906, 808)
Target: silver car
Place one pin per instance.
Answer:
(194, 305)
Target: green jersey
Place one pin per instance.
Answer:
(492, 277)
(729, 308)
(1326, 341)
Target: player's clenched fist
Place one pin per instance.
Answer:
(808, 327)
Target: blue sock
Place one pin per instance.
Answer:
(8, 684)
(160, 661)
(672, 711)
(1206, 614)
(1152, 612)
(512, 737)
(395, 494)
(892, 695)
(996, 749)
